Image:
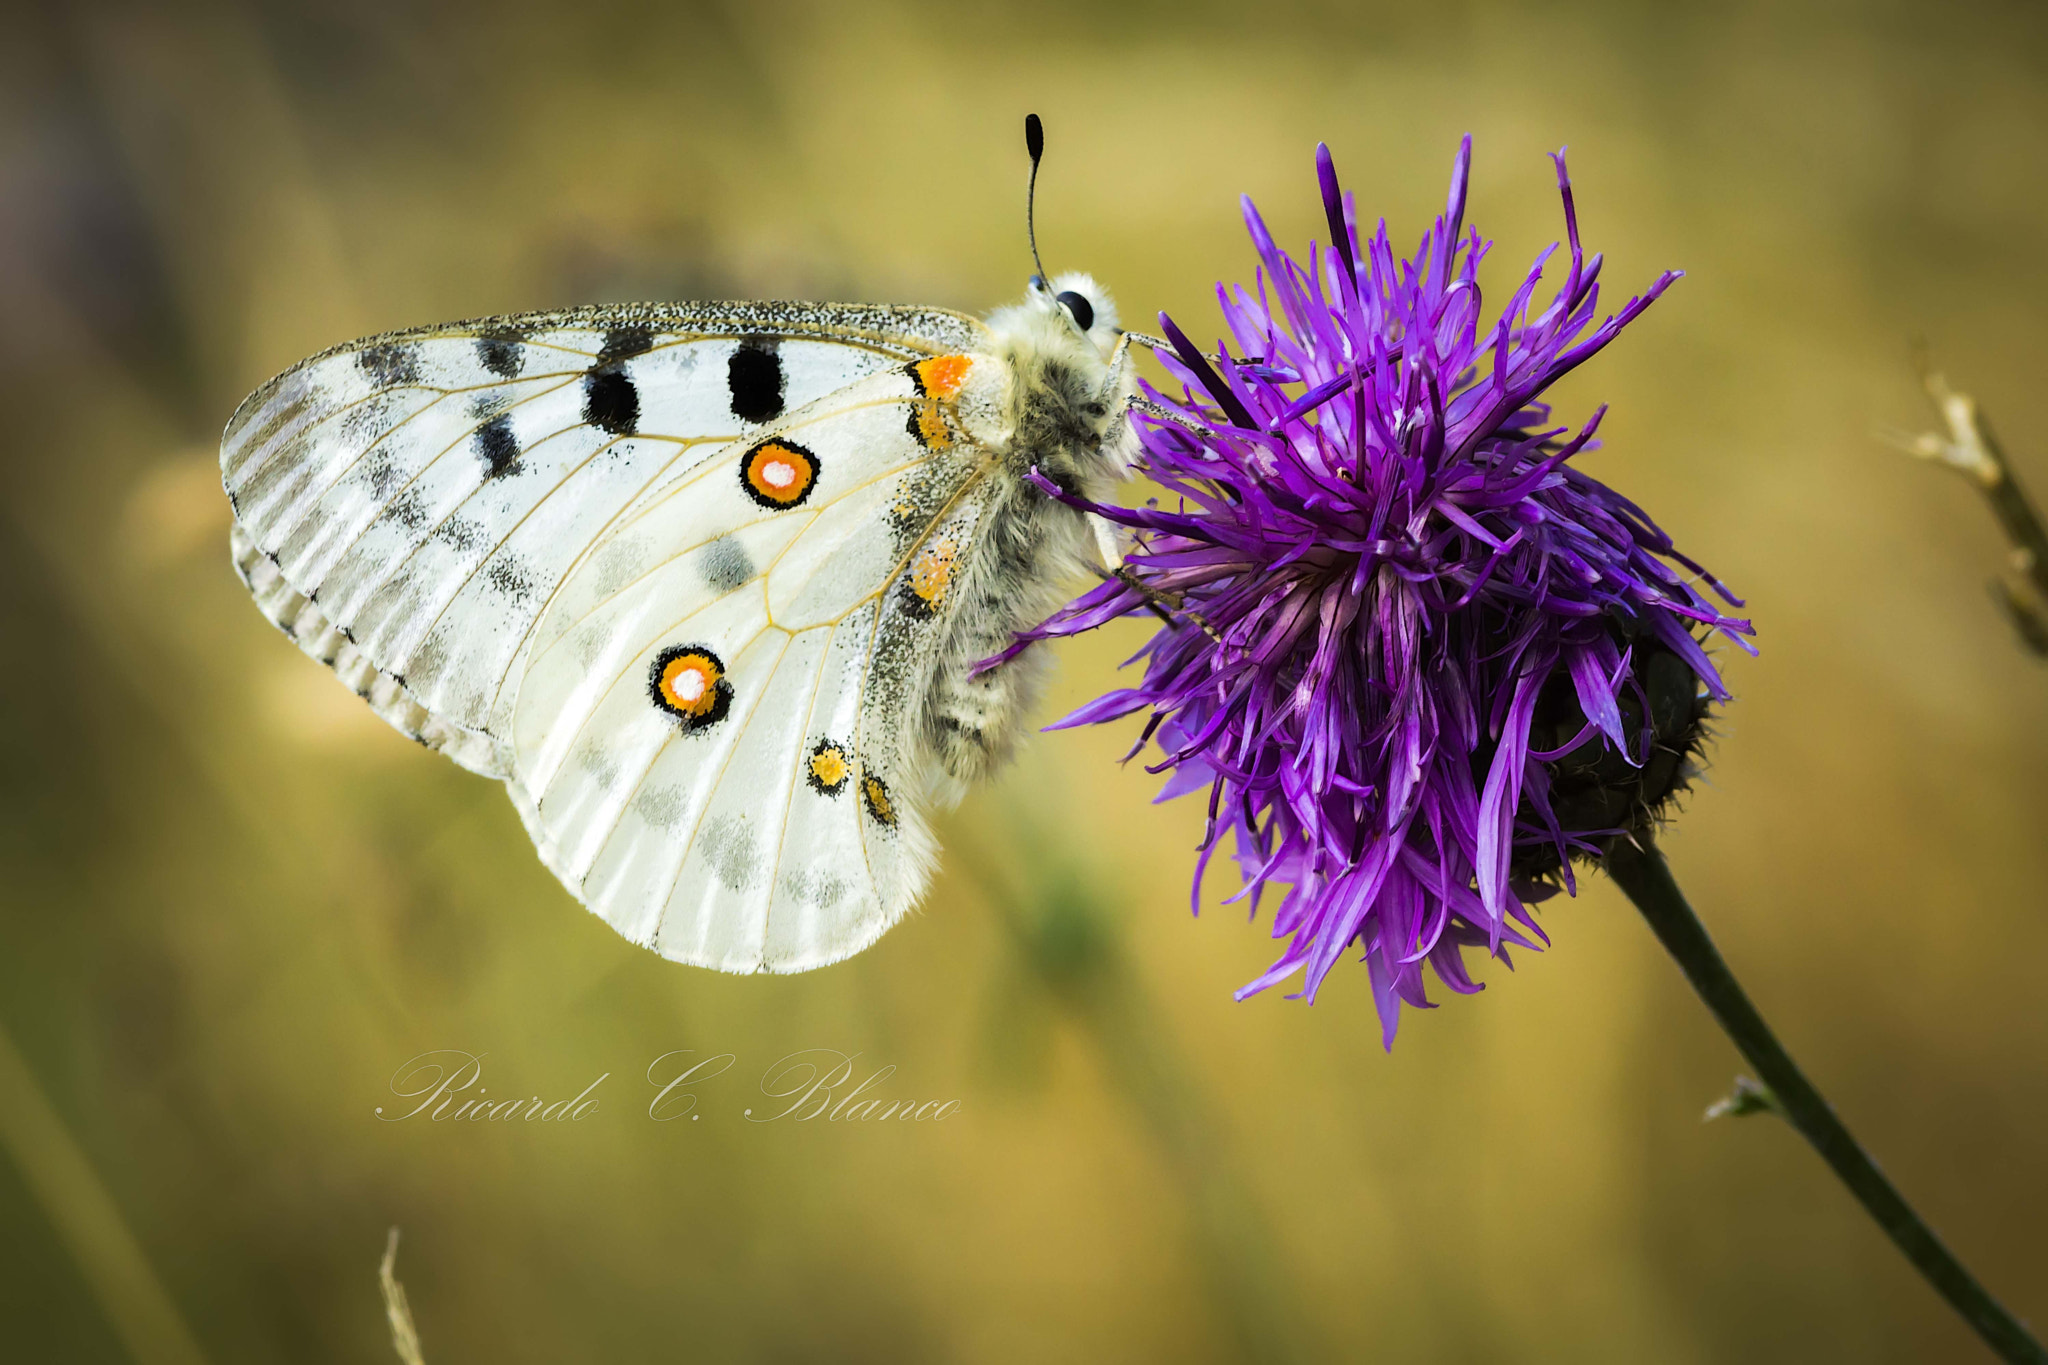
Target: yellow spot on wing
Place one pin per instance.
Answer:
(931, 426)
(877, 795)
(829, 768)
(932, 572)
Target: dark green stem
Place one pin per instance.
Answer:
(1642, 873)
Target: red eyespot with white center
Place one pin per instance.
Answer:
(688, 682)
(779, 473)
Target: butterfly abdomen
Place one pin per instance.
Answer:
(1028, 547)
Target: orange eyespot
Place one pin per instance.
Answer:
(827, 768)
(688, 681)
(779, 473)
(942, 376)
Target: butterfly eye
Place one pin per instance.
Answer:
(1077, 304)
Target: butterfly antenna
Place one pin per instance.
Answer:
(1034, 143)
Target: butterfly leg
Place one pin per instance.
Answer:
(1138, 403)
(1119, 363)
(1108, 541)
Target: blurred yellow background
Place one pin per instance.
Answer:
(233, 903)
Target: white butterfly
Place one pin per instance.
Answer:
(702, 584)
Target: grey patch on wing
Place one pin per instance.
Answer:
(466, 699)
(725, 564)
(809, 886)
(662, 807)
(588, 642)
(923, 497)
(295, 387)
(390, 364)
(384, 476)
(895, 666)
(511, 577)
(464, 535)
(366, 421)
(729, 849)
(487, 405)
(618, 563)
(599, 762)
(409, 509)
(427, 659)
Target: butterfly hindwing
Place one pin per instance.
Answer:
(711, 731)
(406, 506)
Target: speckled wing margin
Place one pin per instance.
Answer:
(432, 512)
(405, 504)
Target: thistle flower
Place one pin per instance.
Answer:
(1417, 659)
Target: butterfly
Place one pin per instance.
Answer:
(702, 584)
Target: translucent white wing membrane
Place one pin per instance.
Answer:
(674, 574)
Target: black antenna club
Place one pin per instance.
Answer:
(1034, 143)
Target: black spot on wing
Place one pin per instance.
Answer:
(755, 377)
(610, 399)
(501, 353)
(497, 447)
(725, 564)
(611, 402)
(390, 364)
(623, 343)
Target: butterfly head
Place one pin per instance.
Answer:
(1069, 314)
(1061, 345)
(1078, 304)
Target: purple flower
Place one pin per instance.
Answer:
(1417, 660)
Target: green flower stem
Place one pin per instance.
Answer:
(1643, 875)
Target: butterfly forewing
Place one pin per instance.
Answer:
(423, 493)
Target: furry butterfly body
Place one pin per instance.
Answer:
(703, 585)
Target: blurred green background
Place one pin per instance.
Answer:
(232, 903)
